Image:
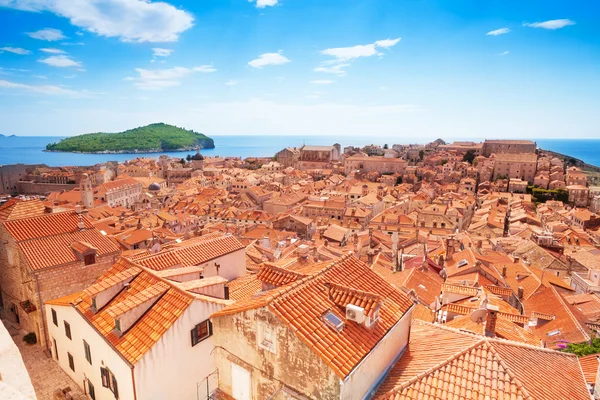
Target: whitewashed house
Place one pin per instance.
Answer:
(143, 331)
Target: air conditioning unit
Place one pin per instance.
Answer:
(355, 313)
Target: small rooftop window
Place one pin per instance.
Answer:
(462, 263)
(333, 321)
(553, 333)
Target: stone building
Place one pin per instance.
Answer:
(374, 164)
(331, 334)
(45, 256)
(515, 166)
(508, 147)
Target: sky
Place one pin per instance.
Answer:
(399, 68)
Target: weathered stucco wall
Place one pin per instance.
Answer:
(293, 363)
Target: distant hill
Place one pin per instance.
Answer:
(150, 138)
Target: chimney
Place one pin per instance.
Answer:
(516, 260)
(479, 244)
(504, 271)
(78, 208)
(226, 292)
(449, 248)
(520, 292)
(490, 322)
(80, 224)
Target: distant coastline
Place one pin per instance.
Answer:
(135, 151)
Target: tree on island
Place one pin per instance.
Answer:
(469, 156)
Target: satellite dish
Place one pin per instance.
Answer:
(478, 315)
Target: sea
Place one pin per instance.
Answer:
(29, 149)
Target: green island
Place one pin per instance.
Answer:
(151, 138)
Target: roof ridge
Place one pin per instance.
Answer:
(435, 367)
(585, 335)
(508, 370)
(285, 290)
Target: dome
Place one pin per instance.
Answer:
(197, 156)
(154, 186)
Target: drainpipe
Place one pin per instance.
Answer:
(41, 308)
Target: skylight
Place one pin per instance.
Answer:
(553, 333)
(333, 321)
(462, 263)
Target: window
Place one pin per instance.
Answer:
(55, 349)
(88, 351)
(91, 390)
(89, 259)
(109, 381)
(118, 325)
(68, 330)
(201, 331)
(54, 317)
(71, 362)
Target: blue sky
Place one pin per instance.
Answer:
(402, 68)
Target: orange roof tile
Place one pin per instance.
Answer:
(443, 363)
(277, 276)
(149, 328)
(17, 209)
(302, 304)
(589, 366)
(59, 249)
(192, 252)
(46, 225)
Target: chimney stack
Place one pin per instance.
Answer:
(490, 322)
(516, 260)
(504, 271)
(520, 292)
(449, 248)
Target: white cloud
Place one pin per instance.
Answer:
(43, 89)
(505, 53)
(231, 82)
(313, 96)
(15, 50)
(158, 52)
(345, 54)
(268, 59)
(264, 3)
(164, 78)
(387, 43)
(129, 20)
(321, 82)
(40, 76)
(501, 31)
(53, 51)
(47, 34)
(60, 61)
(335, 69)
(551, 24)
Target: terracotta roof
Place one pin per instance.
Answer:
(194, 252)
(459, 289)
(46, 225)
(277, 276)
(443, 363)
(302, 304)
(149, 328)
(17, 209)
(564, 327)
(64, 248)
(505, 329)
(343, 295)
(244, 287)
(589, 366)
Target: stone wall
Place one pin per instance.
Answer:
(30, 187)
(294, 363)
